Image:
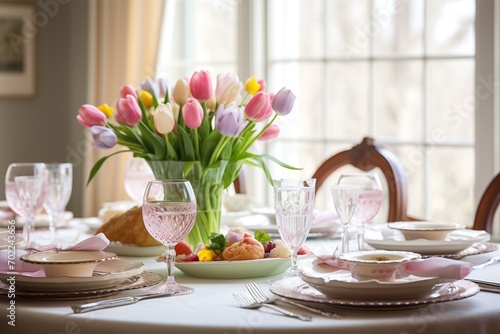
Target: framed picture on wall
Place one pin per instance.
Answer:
(17, 50)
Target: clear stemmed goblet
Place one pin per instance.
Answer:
(369, 202)
(59, 187)
(345, 199)
(294, 204)
(169, 212)
(25, 191)
(137, 175)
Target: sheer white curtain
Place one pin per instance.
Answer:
(124, 37)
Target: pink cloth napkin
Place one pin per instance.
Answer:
(16, 266)
(430, 267)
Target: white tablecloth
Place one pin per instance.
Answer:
(212, 309)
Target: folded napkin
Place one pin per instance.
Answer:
(16, 266)
(430, 267)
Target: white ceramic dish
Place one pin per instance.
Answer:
(376, 265)
(340, 284)
(107, 274)
(131, 250)
(295, 288)
(68, 263)
(427, 230)
(235, 269)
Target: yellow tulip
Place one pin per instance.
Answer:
(106, 110)
(252, 86)
(146, 98)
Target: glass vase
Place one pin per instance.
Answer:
(208, 187)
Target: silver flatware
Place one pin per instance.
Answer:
(260, 296)
(487, 263)
(245, 302)
(114, 302)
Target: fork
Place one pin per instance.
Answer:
(245, 302)
(487, 263)
(261, 297)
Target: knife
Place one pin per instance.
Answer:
(114, 302)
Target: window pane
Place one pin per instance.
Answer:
(399, 99)
(348, 99)
(398, 27)
(296, 28)
(348, 28)
(451, 26)
(306, 80)
(452, 101)
(451, 181)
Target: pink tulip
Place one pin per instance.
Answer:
(126, 90)
(128, 111)
(89, 115)
(228, 89)
(262, 84)
(192, 112)
(201, 85)
(271, 132)
(259, 107)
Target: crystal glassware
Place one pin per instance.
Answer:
(137, 175)
(294, 204)
(25, 191)
(169, 213)
(345, 199)
(59, 187)
(369, 202)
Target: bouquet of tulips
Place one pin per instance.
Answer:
(192, 122)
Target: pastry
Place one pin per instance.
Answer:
(246, 249)
(128, 228)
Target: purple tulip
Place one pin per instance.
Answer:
(230, 121)
(156, 87)
(192, 112)
(283, 101)
(128, 111)
(89, 115)
(259, 107)
(104, 138)
(201, 85)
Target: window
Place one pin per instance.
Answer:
(400, 71)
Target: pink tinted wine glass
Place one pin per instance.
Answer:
(169, 213)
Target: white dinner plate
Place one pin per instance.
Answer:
(456, 242)
(296, 288)
(235, 269)
(132, 250)
(340, 284)
(107, 274)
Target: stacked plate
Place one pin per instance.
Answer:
(399, 237)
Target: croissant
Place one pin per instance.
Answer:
(128, 228)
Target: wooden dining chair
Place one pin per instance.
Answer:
(367, 156)
(488, 205)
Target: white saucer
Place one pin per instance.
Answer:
(107, 274)
(131, 250)
(340, 284)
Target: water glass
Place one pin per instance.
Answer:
(59, 187)
(294, 204)
(25, 191)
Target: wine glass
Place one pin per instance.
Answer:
(293, 205)
(25, 191)
(169, 213)
(345, 199)
(137, 175)
(59, 187)
(369, 202)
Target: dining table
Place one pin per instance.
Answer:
(212, 308)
